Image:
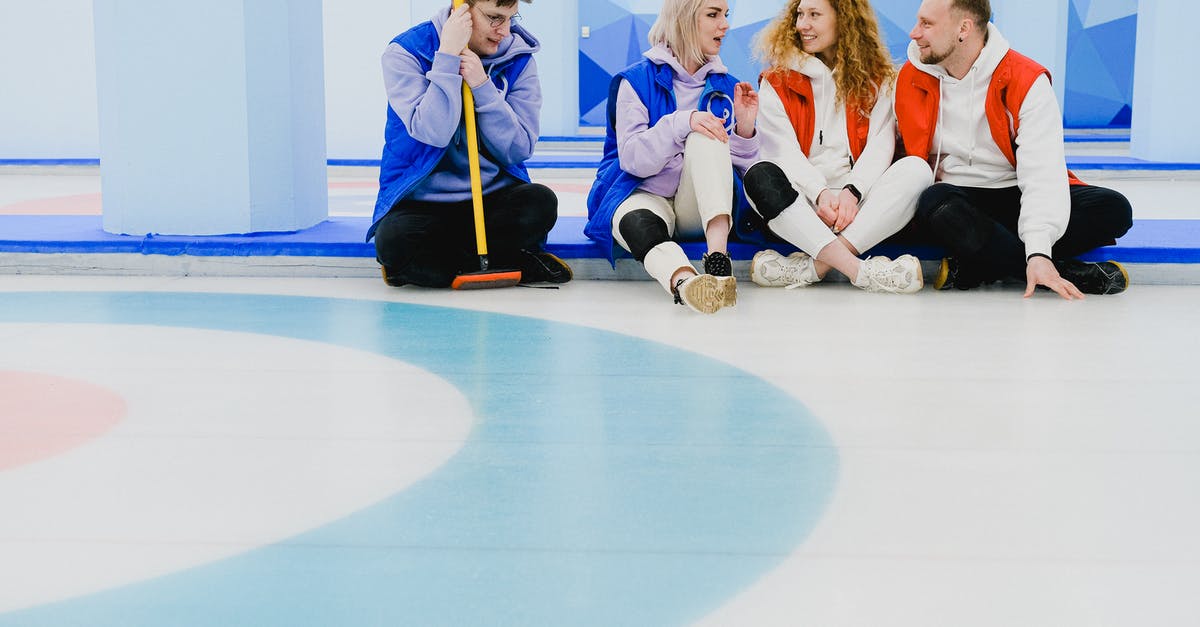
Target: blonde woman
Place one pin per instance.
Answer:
(680, 133)
(826, 182)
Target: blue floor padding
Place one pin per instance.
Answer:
(335, 237)
(588, 161)
(1149, 241)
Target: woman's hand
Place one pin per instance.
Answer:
(847, 210)
(745, 109)
(709, 126)
(827, 207)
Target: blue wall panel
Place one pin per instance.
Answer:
(1100, 44)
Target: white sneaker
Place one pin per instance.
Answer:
(706, 293)
(770, 269)
(880, 274)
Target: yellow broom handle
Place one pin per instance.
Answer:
(473, 160)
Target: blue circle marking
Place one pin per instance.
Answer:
(608, 481)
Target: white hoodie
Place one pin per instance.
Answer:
(828, 163)
(963, 152)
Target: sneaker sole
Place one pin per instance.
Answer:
(920, 283)
(561, 279)
(914, 287)
(755, 277)
(943, 275)
(706, 294)
(728, 288)
(1124, 275)
(390, 282)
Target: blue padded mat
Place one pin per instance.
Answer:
(1149, 241)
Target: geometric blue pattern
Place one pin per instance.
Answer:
(619, 29)
(1101, 35)
(617, 40)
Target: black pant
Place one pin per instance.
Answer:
(429, 243)
(978, 226)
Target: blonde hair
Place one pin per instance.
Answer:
(676, 29)
(862, 61)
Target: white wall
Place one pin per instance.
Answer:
(1165, 125)
(1038, 30)
(48, 76)
(356, 32)
(47, 80)
(48, 107)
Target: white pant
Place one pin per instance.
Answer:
(884, 210)
(705, 193)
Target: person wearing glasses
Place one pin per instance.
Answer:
(680, 132)
(827, 183)
(423, 220)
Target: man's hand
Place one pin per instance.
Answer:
(471, 68)
(827, 207)
(456, 33)
(745, 109)
(709, 126)
(1041, 271)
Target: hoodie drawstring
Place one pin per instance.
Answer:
(937, 162)
(974, 135)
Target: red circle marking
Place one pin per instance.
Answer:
(75, 205)
(43, 415)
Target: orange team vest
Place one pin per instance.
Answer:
(918, 98)
(795, 90)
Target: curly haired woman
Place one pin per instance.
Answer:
(826, 182)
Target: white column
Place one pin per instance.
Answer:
(1038, 30)
(212, 115)
(556, 25)
(1165, 126)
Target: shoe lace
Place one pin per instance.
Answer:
(718, 264)
(887, 275)
(791, 270)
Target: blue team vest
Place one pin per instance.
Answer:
(406, 161)
(654, 85)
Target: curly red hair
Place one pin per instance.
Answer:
(862, 60)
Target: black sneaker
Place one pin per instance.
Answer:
(951, 275)
(542, 267)
(390, 277)
(718, 264)
(1105, 277)
(947, 272)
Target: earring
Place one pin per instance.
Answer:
(960, 40)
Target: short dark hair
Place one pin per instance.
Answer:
(979, 10)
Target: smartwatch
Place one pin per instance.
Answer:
(854, 190)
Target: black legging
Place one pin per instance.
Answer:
(429, 243)
(978, 226)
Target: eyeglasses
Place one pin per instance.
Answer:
(496, 20)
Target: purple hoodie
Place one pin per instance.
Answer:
(655, 154)
(430, 106)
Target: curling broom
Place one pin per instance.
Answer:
(485, 277)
